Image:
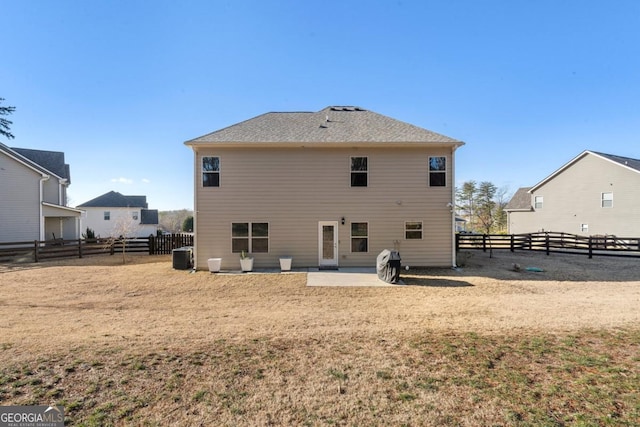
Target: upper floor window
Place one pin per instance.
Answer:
(359, 237)
(251, 237)
(359, 171)
(413, 230)
(211, 171)
(437, 171)
(606, 200)
(107, 215)
(538, 201)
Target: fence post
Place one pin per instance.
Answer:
(151, 244)
(457, 242)
(547, 243)
(590, 247)
(484, 243)
(35, 251)
(512, 243)
(79, 248)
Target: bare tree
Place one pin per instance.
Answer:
(124, 228)
(172, 221)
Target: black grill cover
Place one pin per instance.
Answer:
(388, 266)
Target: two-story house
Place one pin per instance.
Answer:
(113, 214)
(33, 196)
(593, 194)
(329, 188)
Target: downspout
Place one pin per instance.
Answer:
(453, 207)
(42, 180)
(196, 175)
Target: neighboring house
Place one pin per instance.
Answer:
(113, 215)
(593, 194)
(33, 196)
(329, 188)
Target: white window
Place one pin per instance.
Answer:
(107, 215)
(359, 171)
(250, 237)
(359, 237)
(437, 171)
(211, 171)
(606, 200)
(413, 230)
(538, 201)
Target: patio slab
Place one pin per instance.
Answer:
(350, 277)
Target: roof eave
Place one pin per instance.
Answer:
(319, 144)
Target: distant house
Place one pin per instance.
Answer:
(593, 194)
(33, 196)
(331, 188)
(114, 214)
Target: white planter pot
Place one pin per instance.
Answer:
(285, 263)
(214, 264)
(246, 264)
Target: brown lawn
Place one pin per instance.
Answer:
(143, 344)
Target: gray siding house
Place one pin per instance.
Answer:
(330, 188)
(33, 196)
(593, 194)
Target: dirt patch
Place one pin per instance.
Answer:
(99, 300)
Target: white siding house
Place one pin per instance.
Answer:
(329, 188)
(113, 214)
(593, 194)
(33, 196)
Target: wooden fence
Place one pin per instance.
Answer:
(553, 242)
(58, 248)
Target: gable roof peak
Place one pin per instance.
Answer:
(113, 199)
(335, 125)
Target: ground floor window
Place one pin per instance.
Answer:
(413, 230)
(359, 237)
(250, 237)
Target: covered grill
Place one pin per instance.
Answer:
(388, 266)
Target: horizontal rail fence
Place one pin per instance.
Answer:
(36, 250)
(553, 242)
(165, 244)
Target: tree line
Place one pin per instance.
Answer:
(481, 206)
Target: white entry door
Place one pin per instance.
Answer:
(328, 243)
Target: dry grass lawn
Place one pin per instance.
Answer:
(143, 344)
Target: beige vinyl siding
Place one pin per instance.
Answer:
(294, 188)
(19, 201)
(573, 197)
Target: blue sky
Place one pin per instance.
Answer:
(120, 85)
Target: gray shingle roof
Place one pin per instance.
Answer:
(52, 161)
(521, 200)
(625, 161)
(113, 199)
(330, 125)
(46, 162)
